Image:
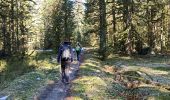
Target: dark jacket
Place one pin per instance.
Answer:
(60, 51)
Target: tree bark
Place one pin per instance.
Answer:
(151, 37)
(102, 28)
(17, 28)
(128, 5)
(66, 19)
(114, 22)
(4, 30)
(12, 27)
(125, 13)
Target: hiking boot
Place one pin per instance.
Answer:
(67, 82)
(62, 80)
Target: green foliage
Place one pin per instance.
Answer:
(14, 67)
(132, 21)
(23, 79)
(60, 24)
(15, 18)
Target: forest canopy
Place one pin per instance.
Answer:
(126, 26)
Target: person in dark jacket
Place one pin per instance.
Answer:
(65, 56)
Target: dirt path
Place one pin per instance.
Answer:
(98, 84)
(59, 90)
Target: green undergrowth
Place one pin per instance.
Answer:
(92, 82)
(114, 59)
(97, 79)
(162, 68)
(21, 79)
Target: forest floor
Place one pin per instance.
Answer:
(122, 77)
(119, 77)
(59, 90)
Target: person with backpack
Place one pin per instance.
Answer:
(78, 50)
(65, 55)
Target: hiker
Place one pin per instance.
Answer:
(78, 50)
(65, 55)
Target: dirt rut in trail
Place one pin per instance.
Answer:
(59, 90)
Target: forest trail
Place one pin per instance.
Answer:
(100, 80)
(110, 79)
(59, 90)
(118, 77)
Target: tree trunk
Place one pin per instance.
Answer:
(125, 13)
(12, 27)
(4, 30)
(114, 22)
(17, 28)
(66, 19)
(102, 28)
(23, 38)
(129, 11)
(151, 37)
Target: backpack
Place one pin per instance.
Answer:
(66, 53)
(78, 48)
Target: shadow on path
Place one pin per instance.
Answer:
(59, 90)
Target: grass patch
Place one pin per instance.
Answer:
(97, 79)
(26, 86)
(89, 88)
(117, 59)
(21, 79)
(2, 65)
(92, 83)
(162, 68)
(23, 86)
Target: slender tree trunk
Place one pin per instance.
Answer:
(23, 39)
(4, 33)
(8, 38)
(151, 38)
(168, 27)
(125, 13)
(129, 20)
(66, 19)
(17, 27)
(162, 31)
(114, 21)
(12, 27)
(103, 28)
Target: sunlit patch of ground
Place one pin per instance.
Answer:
(73, 98)
(154, 76)
(116, 78)
(92, 82)
(153, 71)
(151, 83)
(2, 65)
(26, 86)
(89, 87)
(21, 80)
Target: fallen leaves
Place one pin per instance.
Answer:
(109, 69)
